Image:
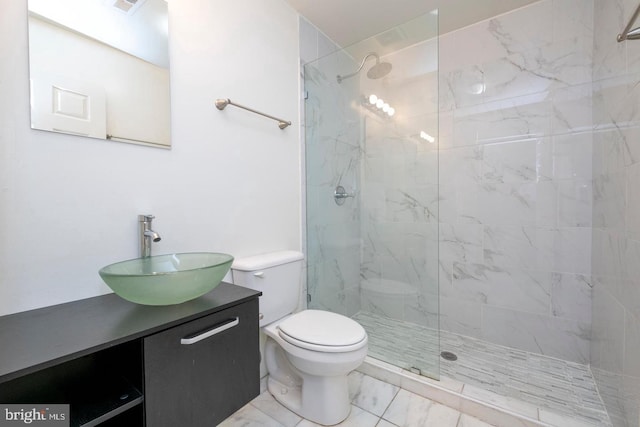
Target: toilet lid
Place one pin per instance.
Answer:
(322, 328)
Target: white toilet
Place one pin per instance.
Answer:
(308, 354)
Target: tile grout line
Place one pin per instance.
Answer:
(269, 416)
(459, 419)
(598, 392)
(389, 404)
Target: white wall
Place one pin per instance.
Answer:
(69, 205)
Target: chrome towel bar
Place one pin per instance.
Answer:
(222, 103)
(628, 33)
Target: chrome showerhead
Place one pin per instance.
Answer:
(379, 70)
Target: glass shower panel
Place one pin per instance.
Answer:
(372, 190)
(334, 157)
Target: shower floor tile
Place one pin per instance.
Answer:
(542, 382)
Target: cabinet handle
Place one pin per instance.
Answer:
(227, 324)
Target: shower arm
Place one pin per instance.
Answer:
(341, 78)
(628, 33)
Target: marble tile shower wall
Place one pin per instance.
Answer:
(516, 181)
(333, 158)
(399, 268)
(615, 345)
(399, 220)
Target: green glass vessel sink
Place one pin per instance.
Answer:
(166, 279)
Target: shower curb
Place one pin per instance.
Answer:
(455, 398)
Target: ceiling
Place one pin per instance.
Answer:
(349, 21)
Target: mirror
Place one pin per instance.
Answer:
(100, 68)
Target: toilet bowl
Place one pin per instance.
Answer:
(308, 354)
(310, 378)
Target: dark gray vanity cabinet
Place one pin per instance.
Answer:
(119, 364)
(199, 373)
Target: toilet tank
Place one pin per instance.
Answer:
(277, 275)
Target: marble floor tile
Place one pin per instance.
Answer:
(250, 416)
(357, 418)
(270, 406)
(410, 410)
(510, 403)
(405, 409)
(468, 421)
(563, 393)
(370, 394)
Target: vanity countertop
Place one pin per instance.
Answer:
(37, 339)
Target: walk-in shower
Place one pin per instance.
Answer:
(372, 190)
(466, 222)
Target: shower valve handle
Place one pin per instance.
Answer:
(341, 194)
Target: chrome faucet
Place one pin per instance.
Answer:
(147, 235)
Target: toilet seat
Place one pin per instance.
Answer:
(323, 331)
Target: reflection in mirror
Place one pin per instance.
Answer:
(100, 68)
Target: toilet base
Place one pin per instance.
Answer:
(325, 399)
(311, 383)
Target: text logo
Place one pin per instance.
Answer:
(34, 415)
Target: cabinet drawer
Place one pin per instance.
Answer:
(199, 373)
